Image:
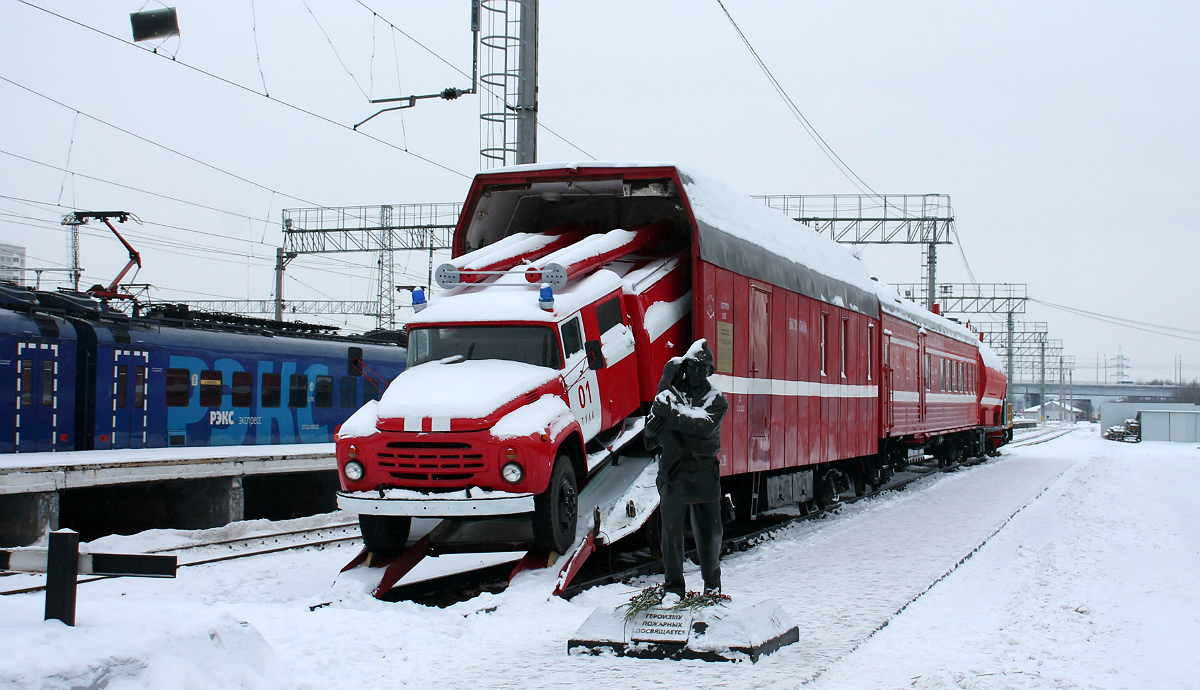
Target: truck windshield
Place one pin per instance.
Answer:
(537, 345)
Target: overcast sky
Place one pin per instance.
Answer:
(1066, 134)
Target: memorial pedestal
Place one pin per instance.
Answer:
(737, 631)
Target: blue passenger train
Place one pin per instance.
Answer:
(81, 376)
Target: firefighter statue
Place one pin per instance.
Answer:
(685, 424)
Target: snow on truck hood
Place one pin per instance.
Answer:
(461, 390)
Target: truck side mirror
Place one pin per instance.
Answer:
(595, 355)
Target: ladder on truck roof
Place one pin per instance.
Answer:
(619, 498)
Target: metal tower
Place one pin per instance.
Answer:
(508, 96)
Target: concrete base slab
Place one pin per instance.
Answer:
(738, 631)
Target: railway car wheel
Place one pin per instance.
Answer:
(556, 510)
(384, 535)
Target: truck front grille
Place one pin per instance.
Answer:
(431, 461)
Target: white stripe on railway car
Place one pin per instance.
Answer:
(741, 385)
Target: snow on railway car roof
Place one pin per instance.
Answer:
(896, 305)
(742, 235)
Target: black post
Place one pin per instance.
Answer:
(62, 566)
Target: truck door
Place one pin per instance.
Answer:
(38, 384)
(129, 398)
(583, 388)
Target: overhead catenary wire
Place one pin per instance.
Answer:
(826, 149)
(247, 89)
(1169, 331)
(402, 32)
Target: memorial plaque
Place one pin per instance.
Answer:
(660, 625)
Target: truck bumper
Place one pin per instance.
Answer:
(457, 504)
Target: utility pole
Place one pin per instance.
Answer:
(1011, 328)
(281, 261)
(930, 275)
(1042, 410)
(76, 271)
(527, 103)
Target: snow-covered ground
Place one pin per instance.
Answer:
(1072, 563)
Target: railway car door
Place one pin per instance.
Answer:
(887, 413)
(760, 401)
(130, 368)
(922, 377)
(37, 382)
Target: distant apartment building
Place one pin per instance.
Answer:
(12, 263)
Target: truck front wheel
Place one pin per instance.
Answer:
(384, 535)
(556, 510)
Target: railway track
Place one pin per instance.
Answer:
(215, 551)
(1040, 437)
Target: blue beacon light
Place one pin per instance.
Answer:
(546, 297)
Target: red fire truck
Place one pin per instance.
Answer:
(570, 288)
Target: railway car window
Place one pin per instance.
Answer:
(354, 361)
(323, 395)
(824, 321)
(609, 314)
(928, 372)
(298, 390)
(243, 388)
(26, 367)
(179, 387)
(845, 328)
(139, 387)
(272, 385)
(210, 388)
(122, 384)
(572, 338)
(48, 383)
(349, 391)
(870, 347)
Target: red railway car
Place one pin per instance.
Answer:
(833, 380)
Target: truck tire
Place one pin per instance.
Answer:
(384, 535)
(556, 510)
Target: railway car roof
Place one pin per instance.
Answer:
(739, 234)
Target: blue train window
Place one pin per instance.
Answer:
(139, 387)
(243, 388)
(122, 384)
(349, 391)
(271, 387)
(323, 394)
(47, 383)
(298, 390)
(26, 367)
(370, 392)
(210, 388)
(179, 387)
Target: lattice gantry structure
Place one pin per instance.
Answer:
(382, 230)
(926, 219)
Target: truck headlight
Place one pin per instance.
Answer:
(353, 471)
(512, 473)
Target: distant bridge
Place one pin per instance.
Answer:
(1096, 390)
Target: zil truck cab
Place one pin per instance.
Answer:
(543, 348)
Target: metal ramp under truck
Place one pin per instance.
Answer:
(617, 501)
